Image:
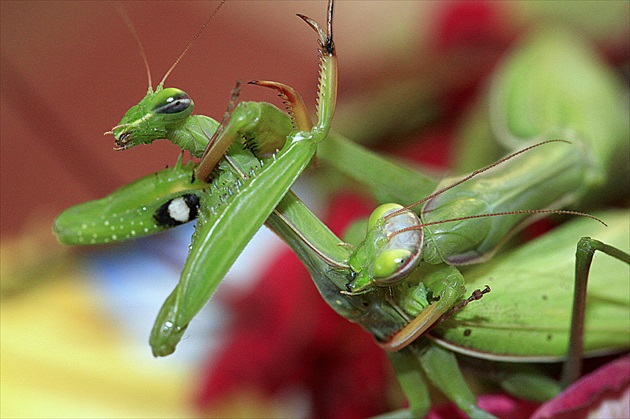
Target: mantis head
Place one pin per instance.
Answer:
(391, 250)
(157, 113)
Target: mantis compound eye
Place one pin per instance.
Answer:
(389, 263)
(401, 253)
(171, 101)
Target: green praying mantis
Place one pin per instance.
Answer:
(401, 279)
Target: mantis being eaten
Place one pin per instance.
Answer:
(400, 281)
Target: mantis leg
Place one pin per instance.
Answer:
(293, 102)
(413, 382)
(441, 366)
(586, 249)
(261, 126)
(237, 124)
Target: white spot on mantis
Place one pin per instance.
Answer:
(178, 210)
(114, 237)
(106, 222)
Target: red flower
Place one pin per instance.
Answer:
(604, 393)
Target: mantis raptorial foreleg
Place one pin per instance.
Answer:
(263, 135)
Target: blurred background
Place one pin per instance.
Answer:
(75, 321)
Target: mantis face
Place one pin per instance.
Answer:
(391, 250)
(157, 113)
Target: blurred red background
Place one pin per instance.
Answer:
(71, 69)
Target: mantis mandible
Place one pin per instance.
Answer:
(238, 186)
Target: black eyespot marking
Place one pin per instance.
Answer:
(174, 104)
(177, 211)
(467, 332)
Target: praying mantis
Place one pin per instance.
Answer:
(248, 163)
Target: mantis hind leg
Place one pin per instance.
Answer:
(586, 249)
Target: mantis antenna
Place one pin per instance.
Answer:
(123, 13)
(136, 38)
(214, 12)
(475, 173)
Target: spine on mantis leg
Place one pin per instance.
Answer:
(550, 176)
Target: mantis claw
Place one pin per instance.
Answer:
(292, 101)
(325, 37)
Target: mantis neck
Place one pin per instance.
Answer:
(194, 135)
